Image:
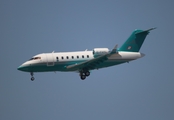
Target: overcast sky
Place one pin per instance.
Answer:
(139, 90)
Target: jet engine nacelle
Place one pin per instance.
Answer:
(100, 51)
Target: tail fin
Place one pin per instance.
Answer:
(135, 41)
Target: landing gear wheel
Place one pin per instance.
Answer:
(84, 73)
(87, 73)
(82, 77)
(32, 78)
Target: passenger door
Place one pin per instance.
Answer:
(50, 59)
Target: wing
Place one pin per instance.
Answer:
(91, 64)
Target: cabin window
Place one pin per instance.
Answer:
(62, 58)
(82, 56)
(72, 57)
(67, 57)
(87, 56)
(57, 58)
(77, 56)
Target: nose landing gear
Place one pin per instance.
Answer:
(32, 78)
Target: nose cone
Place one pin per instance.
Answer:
(21, 68)
(24, 67)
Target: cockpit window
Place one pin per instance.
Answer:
(31, 59)
(35, 58)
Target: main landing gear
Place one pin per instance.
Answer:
(32, 78)
(84, 74)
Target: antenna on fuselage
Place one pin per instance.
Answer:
(53, 52)
(86, 50)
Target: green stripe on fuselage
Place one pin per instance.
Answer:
(61, 66)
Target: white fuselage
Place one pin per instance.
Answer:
(59, 61)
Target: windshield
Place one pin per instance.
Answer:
(35, 58)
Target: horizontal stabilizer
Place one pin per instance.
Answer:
(151, 29)
(146, 30)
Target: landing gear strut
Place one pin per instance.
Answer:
(84, 74)
(32, 78)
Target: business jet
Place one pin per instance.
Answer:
(85, 61)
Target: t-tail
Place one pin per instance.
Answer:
(135, 41)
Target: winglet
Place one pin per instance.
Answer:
(114, 50)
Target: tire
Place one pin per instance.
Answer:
(32, 78)
(87, 73)
(82, 77)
